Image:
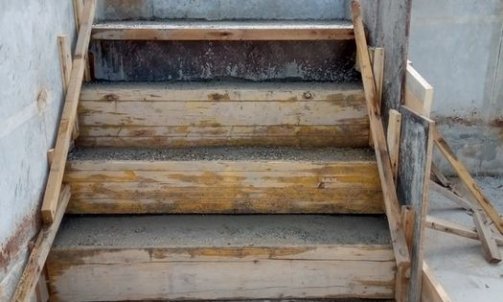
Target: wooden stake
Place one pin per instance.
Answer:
(63, 140)
(38, 255)
(393, 139)
(489, 247)
(469, 182)
(65, 57)
(382, 155)
(377, 61)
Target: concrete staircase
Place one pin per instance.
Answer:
(191, 126)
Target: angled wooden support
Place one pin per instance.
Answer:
(68, 117)
(489, 246)
(468, 181)
(40, 251)
(449, 227)
(447, 193)
(78, 10)
(391, 203)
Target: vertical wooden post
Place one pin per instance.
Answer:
(393, 139)
(377, 60)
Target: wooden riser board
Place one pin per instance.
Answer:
(181, 115)
(224, 30)
(250, 258)
(223, 186)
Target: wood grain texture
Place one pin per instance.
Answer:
(120, 187)
(68, 117)
(468, 181)
(391, 202)
(413, 179)
(418, 92)
(489, 246)
(388, 23)
(224, 30)
(36, 261)
(184, 115)
(432, 290)
(181, 273)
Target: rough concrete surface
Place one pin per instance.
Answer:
(224, 153)
(223, 60)
(457, 262)
(29, 64)
(222, 9)
(221, 230)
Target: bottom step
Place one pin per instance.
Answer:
(221, 257)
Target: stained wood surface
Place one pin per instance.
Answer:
(388, 23)
(224, 30)
(489, 246)
(104, 274)
(432, 290)
(36, 261)
(194, 115)
(391, 202)
(254, 186)
(68, 117)
(413, 179)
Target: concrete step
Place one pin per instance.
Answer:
(223, 30)
(221, 257)
(223, 114)
(223, 180)
(113, 10)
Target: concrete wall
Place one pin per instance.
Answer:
(29, 63)
(456, 46)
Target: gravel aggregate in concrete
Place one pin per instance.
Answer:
(221, 230)
(224, 153)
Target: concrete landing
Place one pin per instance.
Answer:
(457, 262)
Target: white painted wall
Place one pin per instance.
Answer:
(29, 62)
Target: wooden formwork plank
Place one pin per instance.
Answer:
(418, 92)
(36, 261)
(382, 155)
(393, 139)
(219, 273)
(413, 179)
(225, 30)
(65, 130)
(432, 290)
(113, 187)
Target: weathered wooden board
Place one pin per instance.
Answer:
(112, 274)
(388, 22)
(184, 115)
(224, 30)
(416, 145)
(119, 187)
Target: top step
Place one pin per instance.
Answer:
(216, 10)
(224, 30)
